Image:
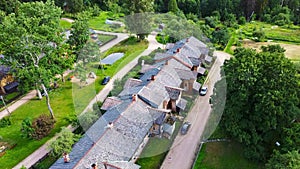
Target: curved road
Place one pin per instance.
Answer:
(184, 149)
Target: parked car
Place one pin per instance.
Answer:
(105, 80)
(185, 127)
(203, 90)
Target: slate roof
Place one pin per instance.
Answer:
(153, 94)
(131, 82)
(131, 123)
(110, 102)
(121, 165)
(196, 42)
(181, 104)
(185, 74)
(168, 128)
(208, 58)
(176, 64)
(162, 56)
(173, 92)
(146, 68)
(201, 70)
(128, 92)
(158, 115)
(196, 86)
(183, 59)
(147, 75)
(169, 46)
(195, 61)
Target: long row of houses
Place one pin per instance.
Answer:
(146, 107)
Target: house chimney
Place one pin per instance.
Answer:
(110, 125)
(187, 39)
(167, 62)
(134, 97)
(178, 50)
(153, 77)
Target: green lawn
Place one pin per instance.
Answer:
(65, 24)
(66, 101)
(225, 155)
(98, 23)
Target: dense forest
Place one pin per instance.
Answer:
(273, 11)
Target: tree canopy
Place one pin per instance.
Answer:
(262, 98)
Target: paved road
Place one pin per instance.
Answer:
(184, 148)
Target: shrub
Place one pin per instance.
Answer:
(211, 21)
(242, 20)
(26, 128)
(42, 126)
(63, 143)
(87, 119)
(4, 122)
(259, 35)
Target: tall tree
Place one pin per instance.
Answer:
(289, 160)
(172, 6)
(31, 40)
(262, 98)
(80, 32)
(138, 6)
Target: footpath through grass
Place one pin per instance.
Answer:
(62, 101)
(98, 23)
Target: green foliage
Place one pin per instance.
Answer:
(5, 121)
(74, 6)
(211, 21)
(220, 37)
(172, 6)
(80, 32)
(230, 20)
(289, 160)
(86, 120)
(42, 126)
(242, 20)
(262, 100)
(26, 128)
(259, 35)
(138, 6)
(139, 24)
(63, 143)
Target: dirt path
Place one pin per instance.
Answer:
(184, 148)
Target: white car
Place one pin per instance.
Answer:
(203, 90)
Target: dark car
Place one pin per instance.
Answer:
(185, 127)
(105, 80)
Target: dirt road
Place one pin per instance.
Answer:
(184, 148)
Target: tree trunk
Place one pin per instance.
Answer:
(62, 78)
(48, 101)
(39, 93)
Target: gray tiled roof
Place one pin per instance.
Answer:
(162, 56)
(182, 104)
(146, 68)
(168, 128)
(183, 59)
(195, 61)
(176, 64)
(153, 94)
(147, 75)
(201, 70)
(185, 74)
(131, 82)
(195, 42)
(110, 102)
(208, 58)
(158, 115)
(121, 141)
(122, 165)
(128, 92)
(174, 93)
(196, 86)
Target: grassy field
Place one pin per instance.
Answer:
(292, 50)
(223, 155)
(98, 23)
(66, 104)
(65, 24)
